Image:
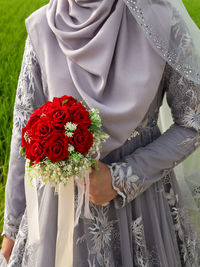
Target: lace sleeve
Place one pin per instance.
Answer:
(29, 96)
(183, 97)
(147, 165)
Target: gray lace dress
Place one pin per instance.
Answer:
(146, 224)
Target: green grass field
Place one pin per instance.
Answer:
(12, 38)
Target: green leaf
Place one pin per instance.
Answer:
(22, 151)
(64, 102)
(75, 155)
(94, 128)
(83, 103)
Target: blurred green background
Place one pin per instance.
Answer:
(12, 39)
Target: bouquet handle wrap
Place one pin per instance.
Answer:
(64, 243)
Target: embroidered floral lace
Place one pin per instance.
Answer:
(23, 108)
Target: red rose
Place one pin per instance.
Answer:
(82, 140)
(46, 108)
(26, 132)
(35, 151)
(23, 141)
(79, 115)
(59, 116)
(37, 114)
(28, 128)
(43, 128)
(33, 118)
(68, 100)
(56, 148)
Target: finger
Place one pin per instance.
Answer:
(7, 254)
(7, 257)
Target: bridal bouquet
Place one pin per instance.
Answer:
(62, 139)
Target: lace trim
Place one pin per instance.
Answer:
(103, 233)
(18, 256)
(25, 90)
(187, 238)
(183, 97)
(192, 119)
(143, 257)
(11, 226)
(124, 181)
(113, 174)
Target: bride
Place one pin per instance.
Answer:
(122, 57)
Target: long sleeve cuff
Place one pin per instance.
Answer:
(147, 165)
(11, 226)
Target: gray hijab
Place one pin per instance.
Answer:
(111, 63)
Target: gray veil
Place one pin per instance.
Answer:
(181, 51)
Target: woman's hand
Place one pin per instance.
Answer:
(101, 190)
(7, 246)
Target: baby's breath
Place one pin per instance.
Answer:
(69, 126)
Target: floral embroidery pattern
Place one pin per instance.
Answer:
(26, 89)
(143, 257)
(101, 231)
(20, 243)
(186, 237)
(184, 99)
(22, 110)
(125, 182)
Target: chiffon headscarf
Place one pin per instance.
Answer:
(112, 64)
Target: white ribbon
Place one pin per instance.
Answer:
(87, 212)
(64, 243)
(66, 220)
(32, 211)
